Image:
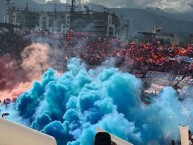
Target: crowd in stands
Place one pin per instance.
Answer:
(155, 56)
(150, 56)
(161, 57)
(94, 50)
(12, 43)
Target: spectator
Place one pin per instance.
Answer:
(172, 142)
(190, 138)
(102, 138)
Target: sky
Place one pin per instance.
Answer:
(177, 5)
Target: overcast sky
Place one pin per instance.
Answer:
(178, 5)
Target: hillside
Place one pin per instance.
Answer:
(144, 20)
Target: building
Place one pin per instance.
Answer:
(57, 21)
(99, 23)
(22, 17)
(123, 29)
(146, 36)
(161, 35)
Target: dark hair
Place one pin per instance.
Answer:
(102, 138)
(113, 143)
(173, 142)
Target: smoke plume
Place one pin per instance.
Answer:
(71, 106)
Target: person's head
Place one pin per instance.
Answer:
(102, 138)
(173, 142)
(189, 133)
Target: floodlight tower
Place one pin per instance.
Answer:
(73, 5)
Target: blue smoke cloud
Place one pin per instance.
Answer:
(71, 106)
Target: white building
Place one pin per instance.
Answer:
(123, 30)
(20, 16)
(99, 23)
(160, 34)
(54, 21)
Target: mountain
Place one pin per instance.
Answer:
(145, 20)
(187, 16)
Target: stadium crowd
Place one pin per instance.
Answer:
(12, 43)
(155, 56)
(150, 56)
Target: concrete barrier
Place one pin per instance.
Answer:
(15, 134)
